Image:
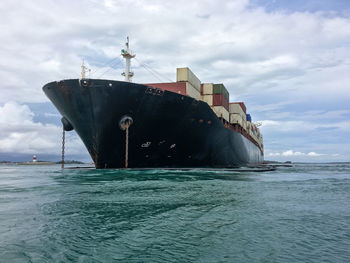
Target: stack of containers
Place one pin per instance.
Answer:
(217, 96)
(207, 93)
(254, 132)
(192, 83)
(186, 84)
(260, 139)
(249, 124)
(238, 114)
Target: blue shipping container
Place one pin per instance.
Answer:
(249, 118)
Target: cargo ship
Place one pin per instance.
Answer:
(178, 124)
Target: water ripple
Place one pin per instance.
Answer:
(296, 214)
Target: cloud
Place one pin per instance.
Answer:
(290, 66)
(274, 154)
(20, 134)
(291, 153)
(304, 126)
(247, 48)
(56, 115)
(315, 154)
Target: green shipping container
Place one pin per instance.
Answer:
(220, 89)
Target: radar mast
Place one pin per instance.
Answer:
(127, 55)
(84, 70)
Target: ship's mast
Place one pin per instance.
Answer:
(84, 69)
(127, 54)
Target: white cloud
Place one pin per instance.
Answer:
(246, 48)
(56, 115)
(303, 126)
(291, 153)
(314, 154)
(20, 134)
(14, 113)
(274, 154)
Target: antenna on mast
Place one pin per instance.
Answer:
(127, 55)
(84, 69)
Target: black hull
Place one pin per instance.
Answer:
(179, 131)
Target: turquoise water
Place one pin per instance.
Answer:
(295, 214)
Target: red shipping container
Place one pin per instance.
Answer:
(220, 100)
(242, 106)
(177, 87)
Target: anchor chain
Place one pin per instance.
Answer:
(63, 142)
(127, 145)
(124, 125)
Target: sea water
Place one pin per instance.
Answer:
(293, 214)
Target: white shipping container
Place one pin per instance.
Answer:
(244, 122)
(236, 108)
(208, 99)
(208, 88)
(248, 123)
(185, 74)
(192, 92)
(220, 111)
(236, 119)
(253, 132)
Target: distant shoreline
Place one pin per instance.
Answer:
(36, 163)
(42, 162)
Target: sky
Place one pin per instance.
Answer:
(289, 61)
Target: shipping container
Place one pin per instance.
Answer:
(207, 88)
(235, 105)
(253, 132)
(192, 91)
(220, 89)
(177, 87)
(243, 107)
(220, 100)
(236, 108)
(220, 111)
(244, 122)
(254, 129)
(208, 99)
(185, 74)
(236, 119)
(249, 118)
(183, 88)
